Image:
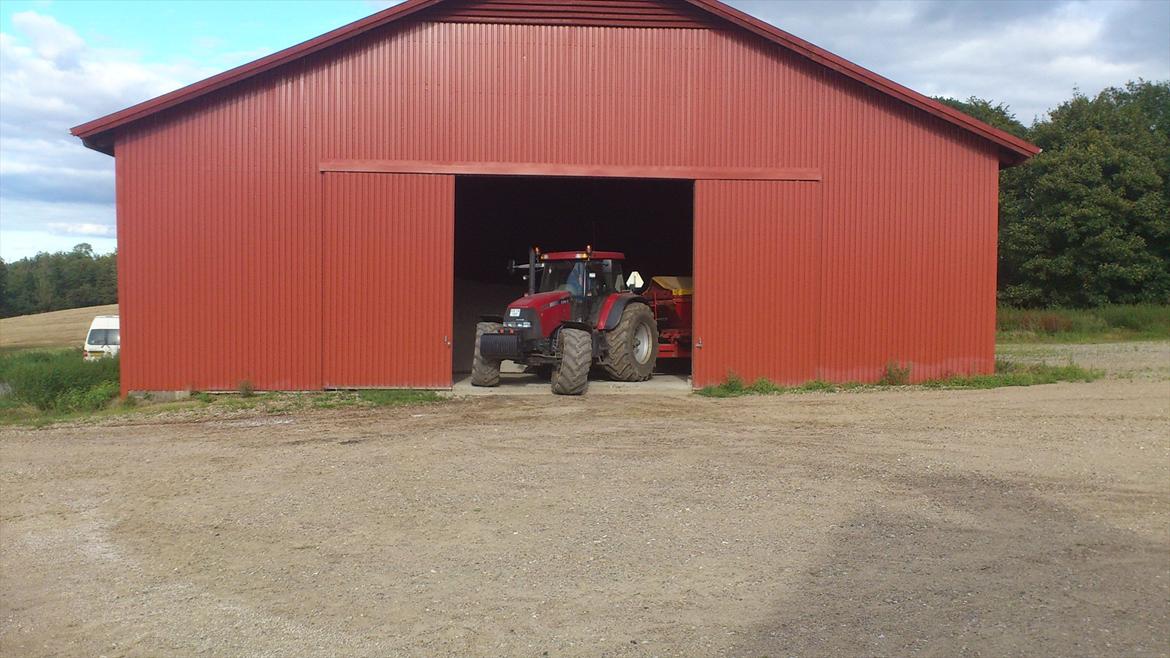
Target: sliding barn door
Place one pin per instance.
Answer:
(757, 280)
(387, 242)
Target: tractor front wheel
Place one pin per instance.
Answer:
(484, 372)
(633, 345)
(571, 374)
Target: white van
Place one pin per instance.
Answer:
(102, 339)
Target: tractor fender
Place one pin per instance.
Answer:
(583, 326)
(611, 311)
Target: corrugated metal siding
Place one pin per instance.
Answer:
(219, 260)
(785, 293)
(613, 13)
(221, 198)
(758, 271)
(388, 242)
(909, 262)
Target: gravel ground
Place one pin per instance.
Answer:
(1023, 521)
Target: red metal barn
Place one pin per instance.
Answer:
(294, 222)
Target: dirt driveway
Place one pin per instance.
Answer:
(1004, 522)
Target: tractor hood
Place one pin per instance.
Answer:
(539, 314)
(540, 300)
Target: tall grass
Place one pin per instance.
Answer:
(59, 381)
(1106, 323)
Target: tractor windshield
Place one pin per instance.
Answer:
(581, 277)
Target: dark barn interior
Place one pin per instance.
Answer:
(497, 218)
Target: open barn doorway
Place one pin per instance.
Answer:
(498, 218)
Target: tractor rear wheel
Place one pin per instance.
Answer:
(484, 372)
(571, 374)
(633, 345)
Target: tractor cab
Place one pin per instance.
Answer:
(582, 273)
(589, 277)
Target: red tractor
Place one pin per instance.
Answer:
(582, 313)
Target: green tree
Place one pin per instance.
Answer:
(5, 309)
(51, 282)
(993, 114)
(1087, 222)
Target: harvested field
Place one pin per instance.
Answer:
(1018, 521)
(56, 329)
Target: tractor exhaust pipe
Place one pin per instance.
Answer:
(532, 271)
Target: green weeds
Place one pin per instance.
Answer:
(59, 381)
(42, 387)
(1006, 374)
(16, 412)
(895, 374)
(1094, 325)
(394, 397)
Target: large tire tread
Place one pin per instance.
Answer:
(621, 364)
(571, 374)
(484, 372)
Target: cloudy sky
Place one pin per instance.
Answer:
(65, 62)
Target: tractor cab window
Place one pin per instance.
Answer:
(607, 276)
(561, 275)
(579, 277)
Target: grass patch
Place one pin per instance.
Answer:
(1006, 373)
(281, 402)
(895, 374)
(1093, 325)
(41, 387)
(394, 397)
(735, 387)
(59, 381)
(16, 412)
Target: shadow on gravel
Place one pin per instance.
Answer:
(972, 565)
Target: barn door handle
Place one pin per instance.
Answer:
(446, 341)
(699, 344)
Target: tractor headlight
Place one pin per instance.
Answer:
(518, 324)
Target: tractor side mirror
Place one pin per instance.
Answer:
(634, 282)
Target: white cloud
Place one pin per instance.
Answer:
(91, 230)
(50, 80)
(15, 245)
(53, 212)
(50, 40)
(1028, 54)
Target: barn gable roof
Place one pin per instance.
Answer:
(98, 134)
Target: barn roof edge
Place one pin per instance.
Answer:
(98, 133)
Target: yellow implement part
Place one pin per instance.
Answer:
(677, 285)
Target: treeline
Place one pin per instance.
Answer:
(52, 282)
(1087, 221)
